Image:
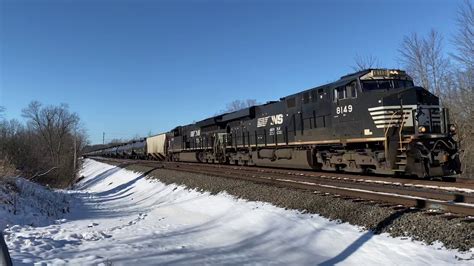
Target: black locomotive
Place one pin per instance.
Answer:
(373, 121)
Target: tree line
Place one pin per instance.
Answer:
(45, 148)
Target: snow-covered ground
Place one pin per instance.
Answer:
(26, 203)
(120, 217)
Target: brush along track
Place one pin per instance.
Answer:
(352, 187)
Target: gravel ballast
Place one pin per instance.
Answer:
(454, 233)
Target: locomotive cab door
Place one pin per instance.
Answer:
(344, 115)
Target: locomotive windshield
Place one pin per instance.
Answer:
(384, 79)
(386, 84)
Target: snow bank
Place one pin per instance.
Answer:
(25, 203)
(118, 216)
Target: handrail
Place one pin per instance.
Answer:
(401, 128)
(386, 132)
(5, 259)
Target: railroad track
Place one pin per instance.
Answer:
(440, 197)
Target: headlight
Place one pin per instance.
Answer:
(452, 129)
(421, 129)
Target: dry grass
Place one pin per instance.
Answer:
(7, 169)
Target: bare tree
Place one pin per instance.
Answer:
(57, 137)
(47, 148)
(8, 131)
(412, 56)
(54, 123)
(19, 148)
(2, 111)
(251, 102)
(424, 59)
(459, 95)
(464, 39)
(436, 61)
(365, 62)
(237, 105)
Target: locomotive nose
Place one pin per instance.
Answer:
(425, 97)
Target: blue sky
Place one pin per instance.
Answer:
(134, 67)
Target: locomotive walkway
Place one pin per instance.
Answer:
(457, 198)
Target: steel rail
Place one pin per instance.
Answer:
(411, 197)
(412, 190)
(394, 198)
(464, 184)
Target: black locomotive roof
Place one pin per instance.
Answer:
(344, 80)
(340, 82)
(357, 74)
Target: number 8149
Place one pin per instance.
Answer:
(344, 109)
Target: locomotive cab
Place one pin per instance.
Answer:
(418, 139)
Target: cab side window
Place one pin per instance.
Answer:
(346, 92)
(351, 90)
(339, 93)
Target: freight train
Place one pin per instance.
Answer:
(372, 121)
